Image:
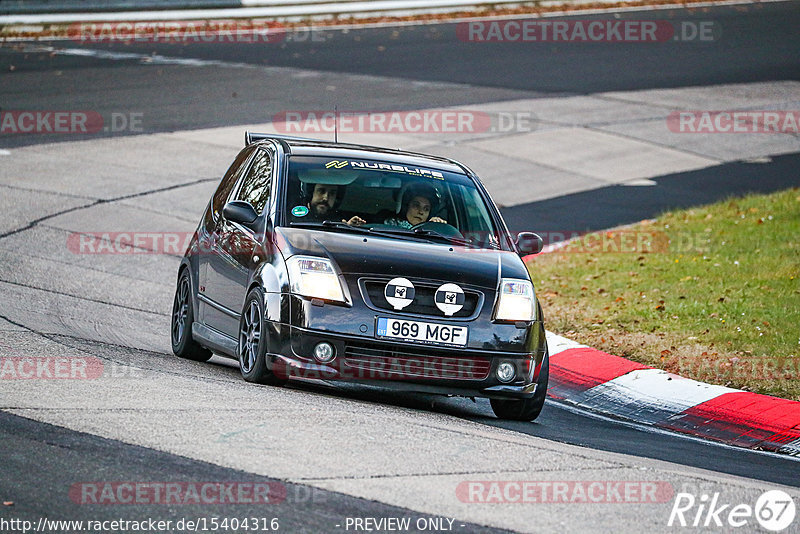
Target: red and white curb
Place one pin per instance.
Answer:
(599, 382)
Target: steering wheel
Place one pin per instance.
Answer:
(445, 229)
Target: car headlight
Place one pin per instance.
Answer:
(516, 301)
(314, 278)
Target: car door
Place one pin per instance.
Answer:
(236, 245)
(208, 234)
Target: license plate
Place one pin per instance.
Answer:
(440, 334)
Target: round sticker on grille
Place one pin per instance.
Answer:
(399, 293)
(449, 298)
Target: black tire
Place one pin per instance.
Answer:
(252, 346)
(183, 344)
(525, 409)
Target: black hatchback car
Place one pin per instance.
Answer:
(329, 261)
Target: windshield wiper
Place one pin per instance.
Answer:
(437, 235)
(399, 232)
(419, 233)
(453, 239)
(351, 228)
(330, 224)
(341, 224)
(428, 234)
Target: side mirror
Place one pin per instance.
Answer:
(240, 212)
(529, 243)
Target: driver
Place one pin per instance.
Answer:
(324, 202)
(419, 201)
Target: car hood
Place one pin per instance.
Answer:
(365, 254)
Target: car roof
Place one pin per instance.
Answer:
(319, 147)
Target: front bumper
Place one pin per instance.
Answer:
(405, 366)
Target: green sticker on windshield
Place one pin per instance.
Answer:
(299, 211)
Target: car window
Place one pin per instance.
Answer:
(380, 193)
(228, 181)
(255, 187)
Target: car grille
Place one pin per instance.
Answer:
(423, 303)
(380, 363)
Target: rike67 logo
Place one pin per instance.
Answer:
(774, 510)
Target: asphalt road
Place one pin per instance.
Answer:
(753, 42)
(42, 461)
(166, 425)
(615, 205)
(560, 423)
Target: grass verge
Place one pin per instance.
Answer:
(710, 293)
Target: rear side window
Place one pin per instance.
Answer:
(228, 181)
(255, 187)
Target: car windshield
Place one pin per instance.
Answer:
(389, 199)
